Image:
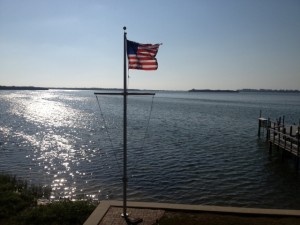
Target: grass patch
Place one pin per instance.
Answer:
(18, 205)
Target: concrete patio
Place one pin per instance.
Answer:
(109, 212)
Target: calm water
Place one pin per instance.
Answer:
(199, 148)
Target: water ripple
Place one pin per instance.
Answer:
(199, 149)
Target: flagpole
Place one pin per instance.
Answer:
(125, 179)
(125, 93)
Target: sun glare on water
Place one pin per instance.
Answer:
(55, 151)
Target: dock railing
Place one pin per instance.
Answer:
(287, 141)
(282, 136)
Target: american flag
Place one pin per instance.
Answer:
(142, 56)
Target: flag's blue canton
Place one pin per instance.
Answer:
(132, 47)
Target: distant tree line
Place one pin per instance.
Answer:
(246, 90)
(269, 90)
(117, 89)
(21, 88)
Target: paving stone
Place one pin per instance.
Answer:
(149, 216)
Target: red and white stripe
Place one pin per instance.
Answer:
(145, 57)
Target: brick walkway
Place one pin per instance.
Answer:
(149, 216)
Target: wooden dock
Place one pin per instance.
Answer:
(285, 137)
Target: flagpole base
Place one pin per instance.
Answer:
(133, 221)
(122, 215)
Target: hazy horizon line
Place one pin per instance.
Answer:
(194, 89)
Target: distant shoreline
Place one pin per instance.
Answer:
(119, 89)
(209, 90)
(245, 90)
(270, 90)
(22, 88)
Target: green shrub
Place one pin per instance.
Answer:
(18, 205)
(64, 213)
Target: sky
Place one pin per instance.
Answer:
(207, 44)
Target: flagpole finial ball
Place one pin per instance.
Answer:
(124, 28)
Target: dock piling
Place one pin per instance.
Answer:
(262, 123)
